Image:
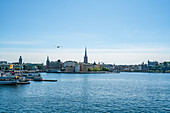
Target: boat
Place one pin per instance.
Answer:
(38, 78)
(8, 80)
(34, 76)
(53, 71)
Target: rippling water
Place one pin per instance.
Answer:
(116, 92)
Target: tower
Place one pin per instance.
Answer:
(20, 60)
(85, 57)
(48, 62)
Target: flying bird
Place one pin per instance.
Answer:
(57, 46)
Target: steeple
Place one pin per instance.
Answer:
(48, 61)
(85, 56)
(85, 52)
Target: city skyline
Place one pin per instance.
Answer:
(121, 32)
(84, 61)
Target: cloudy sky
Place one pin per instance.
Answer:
(114, 31)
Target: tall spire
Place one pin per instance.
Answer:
(48, 58)
(85, 52)
(85, 56)
(48, 61)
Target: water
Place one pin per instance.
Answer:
(116, 92)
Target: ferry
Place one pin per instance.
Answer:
(8, 80)
(34, 76)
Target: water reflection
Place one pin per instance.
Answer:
(85, 93)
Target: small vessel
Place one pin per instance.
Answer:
(8, 80)
(34, 76)
(38, 78)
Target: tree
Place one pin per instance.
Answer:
(94, 69)
(105, 69)
(89, 69)
(165, 64)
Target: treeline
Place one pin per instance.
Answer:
(97, 69)
(163, 68)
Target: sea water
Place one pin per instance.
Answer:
(88, 93)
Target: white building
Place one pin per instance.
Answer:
(77, 68)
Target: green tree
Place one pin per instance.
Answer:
(89, 69)
(167, 71)
(94, 69)
(105, 69)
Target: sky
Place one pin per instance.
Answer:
(114, 31)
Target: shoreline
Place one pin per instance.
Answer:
(98, 72)
(82, 72)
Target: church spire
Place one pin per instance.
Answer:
(85, 52)
(85, 56)
(48, 61)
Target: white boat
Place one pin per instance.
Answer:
(8, 80)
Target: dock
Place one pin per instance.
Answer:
(47, 80)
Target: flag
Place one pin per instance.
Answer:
(11, 66)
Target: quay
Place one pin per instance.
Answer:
(47, 80)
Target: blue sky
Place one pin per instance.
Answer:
(114, 31)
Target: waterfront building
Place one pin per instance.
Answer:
(152, 64)
(144, 67)
(4, 67)
(71, 66)
(35, 67)
(53, 66)
(3, 62)
(85, 56)
(77, 68)
(94, 65)
(69, 69)
(84, 67)
(109, 66)
(69, 63)
(98, 65)
(16, 66)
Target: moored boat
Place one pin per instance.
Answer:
(8, 80)
(34, 76)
